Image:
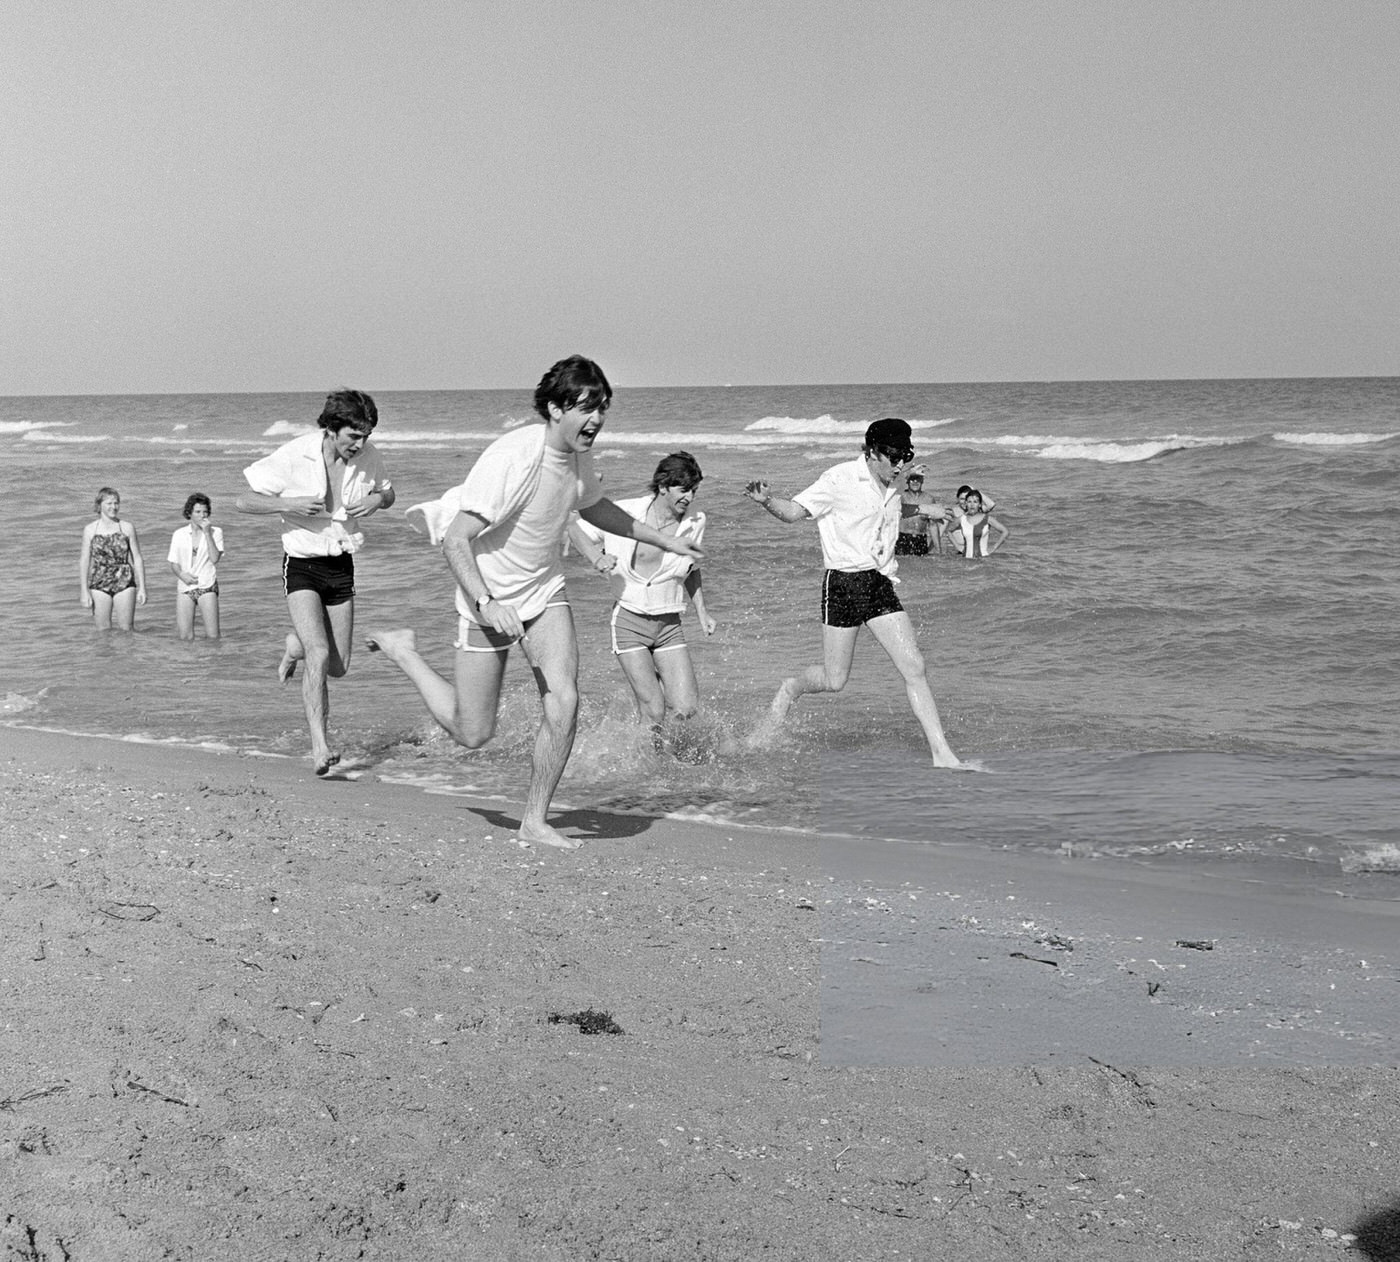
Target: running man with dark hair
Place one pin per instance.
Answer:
(856, 506)
(502, 533)
(321, 484)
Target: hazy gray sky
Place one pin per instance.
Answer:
(415, 194)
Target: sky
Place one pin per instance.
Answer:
(269, 195)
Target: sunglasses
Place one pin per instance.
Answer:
(897, 458)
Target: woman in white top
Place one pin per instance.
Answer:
(652, 588)
(194, 552)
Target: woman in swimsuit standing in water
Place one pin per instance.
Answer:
(111, 574)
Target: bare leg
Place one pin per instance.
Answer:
(467, 711)
(838, 650)
(291, 655)
(895, 633)
(209, 611)
(552, 651)
(640, 669)
(101, 610)
(324, 635)
(184, 616)
(124, 610)
(678, 683)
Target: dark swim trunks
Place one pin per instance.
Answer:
(109, 564)
(331, 578)
(852, 599)
(911, 546)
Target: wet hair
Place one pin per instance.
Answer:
(963, 490)
(973, 492)
(348, 407)
(198, 497)
(680, 469)
(102, 495)
(573, 382)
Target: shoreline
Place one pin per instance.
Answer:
(254, 1014)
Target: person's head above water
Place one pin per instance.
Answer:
(915, 481)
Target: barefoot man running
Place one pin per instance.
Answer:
(856, 505)
(321, 485)
(502, 532)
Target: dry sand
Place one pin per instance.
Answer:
(251, 1015)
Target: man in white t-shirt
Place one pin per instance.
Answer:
(856, 506)
(502, 532)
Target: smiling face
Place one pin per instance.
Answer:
(576, 429)
(110, 507)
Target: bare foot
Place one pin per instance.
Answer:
(322, 763)
(947, 759)
(291, 655)
(544, 835)
(393, 644)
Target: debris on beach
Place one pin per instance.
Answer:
(588, 1022)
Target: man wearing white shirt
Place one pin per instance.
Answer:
(856, 507)
(322, 485)
(501, 533)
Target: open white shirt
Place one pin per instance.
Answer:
(857, 518)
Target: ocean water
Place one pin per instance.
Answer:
(1186, 650)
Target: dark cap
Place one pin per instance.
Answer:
(890, 432)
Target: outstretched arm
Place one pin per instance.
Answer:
(590, 549)
(615, 521)
(789, 511)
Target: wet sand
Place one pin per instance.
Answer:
(253, 1015)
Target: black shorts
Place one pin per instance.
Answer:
(911, 546)
(850, 600)
(331, 578)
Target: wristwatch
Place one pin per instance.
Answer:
(483, 600)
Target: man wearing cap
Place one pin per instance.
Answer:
(856, 505)
(918, 513)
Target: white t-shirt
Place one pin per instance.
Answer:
(857, 518)
(518, 553)
(195, 558)
(299, 468)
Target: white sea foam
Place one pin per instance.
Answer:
(802, 426)
(1382, 858)
(31, 427)
(1122, 453)
(44, 436)
(1333, 440)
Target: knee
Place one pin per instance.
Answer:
(684, 711)
(914, 667)
(836, 680)
(561, 703)
(472, 734)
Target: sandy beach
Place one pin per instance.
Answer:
(252, 1015)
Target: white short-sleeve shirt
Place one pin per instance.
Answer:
(519, 552)
(195, 557)
(857, 518)
(299, 468)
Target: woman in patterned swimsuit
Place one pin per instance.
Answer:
(111, 574)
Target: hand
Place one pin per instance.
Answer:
(707, 624)
(758, 492)
(302, 506)
(85, 600)
(605, 564)
(682, 547)
(502, 618)
(140, 595)
(921, 469)
(366, 506)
